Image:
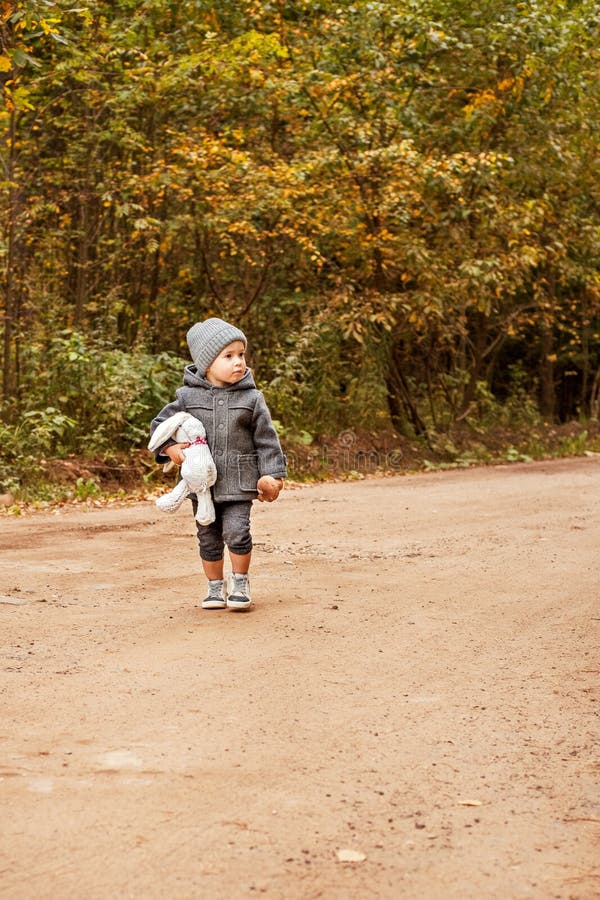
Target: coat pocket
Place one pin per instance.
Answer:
(248, 471)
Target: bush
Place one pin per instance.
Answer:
(108, 396)
(324, 383)
(91, 401)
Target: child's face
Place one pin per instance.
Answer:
(229, 366)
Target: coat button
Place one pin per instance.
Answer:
(220, 403)
(221, 426)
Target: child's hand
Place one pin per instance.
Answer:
(175, 452)
(268, 488)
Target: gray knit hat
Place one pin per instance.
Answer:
(207, 339)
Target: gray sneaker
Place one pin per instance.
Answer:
(217, 595)
(239, 598)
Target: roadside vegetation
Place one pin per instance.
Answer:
(397, 202)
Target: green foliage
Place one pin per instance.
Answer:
(39, 433)
(87, 488)
(104, 401)
(19, 462)
(397, 201)
(514, 455)
(107, 397)
(574, 446)
(322, 384)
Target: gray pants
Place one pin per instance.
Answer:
(231, 527)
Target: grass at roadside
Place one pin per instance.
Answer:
(349, 455)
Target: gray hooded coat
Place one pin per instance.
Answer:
(239, 431)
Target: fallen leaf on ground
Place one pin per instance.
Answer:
(350, 856)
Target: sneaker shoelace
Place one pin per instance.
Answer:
(239, 584)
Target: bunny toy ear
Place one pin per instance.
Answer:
(166, 430)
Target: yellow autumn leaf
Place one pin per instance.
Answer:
(5, 63)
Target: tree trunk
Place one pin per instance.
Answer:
(11, 282)
(401, 404)
(595, 397)
(81, 266)
(479, 348)
(547, 399)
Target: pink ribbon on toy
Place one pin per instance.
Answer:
(198, 440)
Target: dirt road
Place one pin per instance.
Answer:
(417, 684)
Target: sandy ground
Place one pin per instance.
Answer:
(417, 684)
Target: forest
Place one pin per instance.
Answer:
(396, 201)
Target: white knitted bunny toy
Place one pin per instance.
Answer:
(198, 471)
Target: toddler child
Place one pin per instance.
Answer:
(220, 391)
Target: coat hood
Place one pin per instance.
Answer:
(192, 378)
